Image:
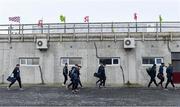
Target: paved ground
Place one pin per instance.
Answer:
(89, 96)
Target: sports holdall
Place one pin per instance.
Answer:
(11, 79)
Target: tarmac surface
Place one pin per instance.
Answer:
(45, 95)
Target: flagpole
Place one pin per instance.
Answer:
(135, 18)
(136, 25)
(88, 24)
(65, 26)
(112, 28)
(160, 22)
(19, 25)
(86, 19)
(160, 26)
(42, 26)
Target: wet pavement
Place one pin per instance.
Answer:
(44, 95)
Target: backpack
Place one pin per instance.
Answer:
(71, 72)
(97, 75)
(160, 76)
(148, 70)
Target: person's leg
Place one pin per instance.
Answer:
(65, 79)
(79, 81)
(155, 82)
(104, 81)
(11, 83)
(101, 82)
(19, 81)
(73, 85)
(162, 80)
(150, 83)
(167, 83)
(70, 84)
(76, 85)
(98, 81)
(172, 83)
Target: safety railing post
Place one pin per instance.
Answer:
(128, 30)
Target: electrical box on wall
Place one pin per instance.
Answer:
(129, 43)
(42, 44)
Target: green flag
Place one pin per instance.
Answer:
(160, 19)
(62, 18)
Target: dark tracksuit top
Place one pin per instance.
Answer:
(65, 71)
(153, 72)
(169, 72)
(161, 69)
(101, 71)
(16, 72)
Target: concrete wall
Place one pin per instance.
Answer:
(130, 60)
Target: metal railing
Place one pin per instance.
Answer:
(103, 27)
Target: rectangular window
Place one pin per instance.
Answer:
(152, 60)
(158, 60)
(110, 61)
(115, 61)
(29, 61)
(107, 61)
(148, 61)
(22, 61)
(71, 61)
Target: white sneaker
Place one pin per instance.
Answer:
(175, 88)
(21, 89)
(8, 88)
(73, 91)
(166, 89)
(63, 84)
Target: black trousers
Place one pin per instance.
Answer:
(102, 81)
(161, 81)
(152, 80)
(169, 80)
(75, 84)
(19, 81)
(79, 82)
(98, 81)
(65, 78)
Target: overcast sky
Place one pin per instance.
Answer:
(31, 11)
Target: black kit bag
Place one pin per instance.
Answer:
(11, 79)
(148, 70)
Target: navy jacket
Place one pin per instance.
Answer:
(65, 70)
(16, 72)
(153, 72)
(101, 72)
(161, 69)
(169, 71)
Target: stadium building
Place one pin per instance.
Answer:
(128, 48)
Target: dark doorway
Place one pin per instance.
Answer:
(175, 56)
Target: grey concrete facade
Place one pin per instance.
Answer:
(146, 45)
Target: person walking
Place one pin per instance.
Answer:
(161, 75)
(65, 74)
(152, 74)
(75, 79)
(70, 76)
(102, 75)
(98, 74)
(169, 72)
(16, 73)
(79, 82)
(77, 68)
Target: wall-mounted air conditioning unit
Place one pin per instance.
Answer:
(129, 43)
(42, 44)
